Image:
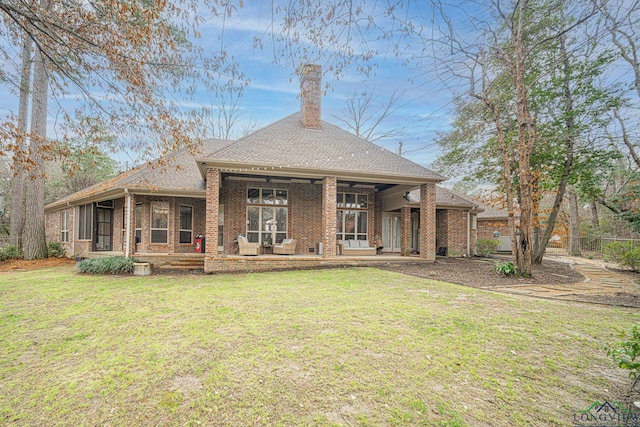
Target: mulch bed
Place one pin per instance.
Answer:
(479, 273)
(20, 264)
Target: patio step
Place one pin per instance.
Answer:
(184, 264)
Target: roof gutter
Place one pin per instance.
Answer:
(273, 170)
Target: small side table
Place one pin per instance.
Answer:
(266, 249)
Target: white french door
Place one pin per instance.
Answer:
(391, 232)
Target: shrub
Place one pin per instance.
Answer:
(56, 250)
(111, 265)
(487, 246)
(10, 252)
(507, 268)
(626, 354)
(624, 254)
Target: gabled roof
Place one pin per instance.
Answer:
(173, 173)
(288, 145)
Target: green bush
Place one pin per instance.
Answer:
(487, 246)
(56, 250)
(626, 354)
(111, 265)
(507, 268)
(10, 252)
(624, 254)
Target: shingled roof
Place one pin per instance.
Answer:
(288, 144)
(176, 172)
(446, 198)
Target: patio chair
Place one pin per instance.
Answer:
(246, 247)
(286, 247)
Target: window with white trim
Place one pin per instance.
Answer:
(138, 214)
(352, 216)
(159, 223)
(85, 222)
(186, 224)
(266, 223)
(64, 226)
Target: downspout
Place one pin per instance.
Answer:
(73, 233)
(127, 240)
(468, 233)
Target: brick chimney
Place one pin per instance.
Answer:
(310, 95)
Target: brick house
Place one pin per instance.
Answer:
(300, 178)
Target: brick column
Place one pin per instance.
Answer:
(213, 209)
(329, 207)
(428, 221)
(130, 225)
(405, 231)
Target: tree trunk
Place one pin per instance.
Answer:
(34, 239)
(16, 221)
(593, 213)
(570, 129)
(526, 138)
(574, 222)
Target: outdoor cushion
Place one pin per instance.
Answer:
(364, 243)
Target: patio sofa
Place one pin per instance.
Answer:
(356, 248)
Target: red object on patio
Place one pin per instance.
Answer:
(198, 244)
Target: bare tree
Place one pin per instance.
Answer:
(365, 119)
(224, 118)
(16, 220)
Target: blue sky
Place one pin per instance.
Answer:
(272, 92)
(273, 88)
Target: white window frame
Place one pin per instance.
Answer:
(360, 205)
(261, 200)
(180, 229)
(138, 229)
(64, 226)
(266, 235)
(163, 206)
(87, 217)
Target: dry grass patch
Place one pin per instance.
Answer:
(327, 347)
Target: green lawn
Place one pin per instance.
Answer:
(326, 347)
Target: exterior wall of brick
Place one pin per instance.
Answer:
(428, 221)
(474, 235)
(304, 212)
(329, 223)
(118, 225)
(378, 212)
(442, 231)
(53, 228)
(457, 232)
(304, 216)
(212, 211)
(254, 264)
(199, 223)
(311, 96)
(405, 230)
(486, 228)
(145, 244)
(451, 231)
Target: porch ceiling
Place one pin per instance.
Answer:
(379, 186)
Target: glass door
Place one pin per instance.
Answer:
(104, 229)
(391, 232)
